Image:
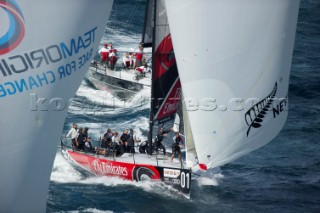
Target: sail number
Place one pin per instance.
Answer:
(185, 180)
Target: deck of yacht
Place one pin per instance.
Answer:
(123, 74)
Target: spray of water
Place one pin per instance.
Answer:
(89, 210)
(90, 101)
(63, 172)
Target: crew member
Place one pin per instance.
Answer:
(110, 46)
(85, 134)
(143, 147)
(126, 61)
(104, 53)
(114, 146)
(73, 134)
(139, 56)
(132, 59)
(106, 140)
(124, 141)
(115, 138)
(79, 139)
(140, 72)
(88, 146)
(160, 136)
(131, 140)
(177, 139)
(113, 57)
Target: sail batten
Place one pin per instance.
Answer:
(233, 58)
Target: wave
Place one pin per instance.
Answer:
(211, 177)
(100, 102)
(64, 173)
(89, 210)
(122, 40)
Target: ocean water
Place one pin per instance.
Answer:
(283, 176)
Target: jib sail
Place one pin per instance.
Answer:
(235, 74)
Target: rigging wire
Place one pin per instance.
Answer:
(133, 12)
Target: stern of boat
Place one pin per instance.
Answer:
(179, 179)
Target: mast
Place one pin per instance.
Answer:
(151, 115)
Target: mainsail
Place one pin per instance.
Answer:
(166, 87)
(45, 49)
(234, 61)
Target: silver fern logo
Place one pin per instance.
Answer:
(255, 115)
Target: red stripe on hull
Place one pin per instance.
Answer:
(104, 167)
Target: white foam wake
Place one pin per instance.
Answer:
(101, 102)
(63, 172)
(211, 177)
(89, 210)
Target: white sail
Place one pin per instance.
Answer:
(176, 124)
(182, 125)
(45, 51)
(231, 54)
(191, 154)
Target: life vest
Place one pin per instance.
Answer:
(105, 54)
(139, 55)
(113, 56)
(140, 69)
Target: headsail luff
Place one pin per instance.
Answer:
(229, 54)
(191, 152)
(44, 56)
(182, 125)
